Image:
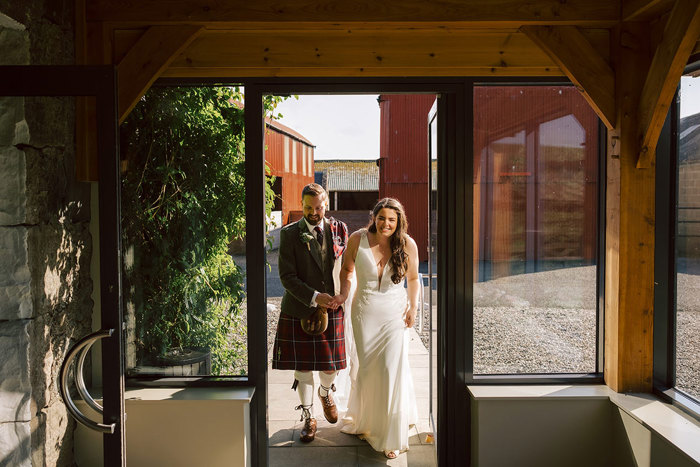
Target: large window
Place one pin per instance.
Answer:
(687, 241)
(536, 218)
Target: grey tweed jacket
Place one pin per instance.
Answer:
(302, 268)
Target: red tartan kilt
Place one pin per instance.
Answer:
(296, 350)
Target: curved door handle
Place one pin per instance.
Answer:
(82, 348)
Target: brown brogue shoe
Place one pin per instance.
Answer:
(308, 433)
(329, 409)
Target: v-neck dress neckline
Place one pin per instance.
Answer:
(380, 276)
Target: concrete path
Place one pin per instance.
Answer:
(333, 448)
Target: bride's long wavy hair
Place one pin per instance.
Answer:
(399, 257)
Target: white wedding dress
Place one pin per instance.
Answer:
(382, 403)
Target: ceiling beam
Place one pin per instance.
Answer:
(636, 10)
(361, 52)
(362, 49)
(490, 12)
(147, 59)
(680, 35)
(582, 63)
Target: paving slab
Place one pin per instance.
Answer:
(331, 446)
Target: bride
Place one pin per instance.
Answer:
(382, 404)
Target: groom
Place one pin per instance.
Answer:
(309, 264)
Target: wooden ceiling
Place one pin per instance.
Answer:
(354, 38)
(149, 39)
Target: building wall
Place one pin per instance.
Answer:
(403, 166)
(292, 161)
(45, 244)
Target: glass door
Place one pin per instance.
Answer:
(36, 106)
(431, 288)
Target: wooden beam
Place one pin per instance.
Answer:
(369, 72)
(629, 228)
(680, 35)
(294, 12)
(147, 59)
(93, 47)
(584, 66)
(361, 52)
(637, 10)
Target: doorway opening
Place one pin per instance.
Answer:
(360, 148)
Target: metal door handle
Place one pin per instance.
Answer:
(82, 348)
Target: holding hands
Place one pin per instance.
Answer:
(318, 321)
(326, 301)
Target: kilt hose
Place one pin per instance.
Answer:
(296, 350)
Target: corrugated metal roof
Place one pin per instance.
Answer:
(349, 175)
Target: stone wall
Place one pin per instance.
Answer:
(45, 245)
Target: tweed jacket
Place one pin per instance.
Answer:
(302, 270)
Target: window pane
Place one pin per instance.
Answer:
(535, 226)
(688, 242)
(183, 228)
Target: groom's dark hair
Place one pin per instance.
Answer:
(314, 189)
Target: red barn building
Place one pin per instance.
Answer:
(290, 158)
(403, 159)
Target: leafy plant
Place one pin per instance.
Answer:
(183, 202)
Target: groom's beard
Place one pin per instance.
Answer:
(313, 219)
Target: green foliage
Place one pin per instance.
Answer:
(183, 202)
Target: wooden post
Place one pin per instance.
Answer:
(629, 275)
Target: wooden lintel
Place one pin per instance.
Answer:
(680, 35)
(636, 10)
(147, 59)
(294, 12)
(584, 66)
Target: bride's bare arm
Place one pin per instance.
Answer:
(348, 268)
(412, 282)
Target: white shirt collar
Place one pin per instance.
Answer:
(312, 227)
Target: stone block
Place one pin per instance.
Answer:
(53, 195)
(15, 278)
(13, 191)
(22, 135)
(15, 386)
(14, 46)
(15, 444)
(11, 112)
(16, 301)
(14, 269)
(51, 121)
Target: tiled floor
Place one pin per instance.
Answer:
(333, 448)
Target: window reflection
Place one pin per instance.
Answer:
(535, 230)
(687, 345)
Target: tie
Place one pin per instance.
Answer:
(319, 234)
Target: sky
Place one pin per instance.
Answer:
(340, 126)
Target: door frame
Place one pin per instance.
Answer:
(99, 82)
(454, 233)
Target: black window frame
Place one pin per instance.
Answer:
(597, 376)
(664, 379)
(455, 354)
